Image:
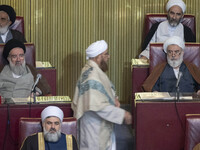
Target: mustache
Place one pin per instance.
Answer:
(52, 129)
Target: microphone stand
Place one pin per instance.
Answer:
(34, 96)
(177, 94)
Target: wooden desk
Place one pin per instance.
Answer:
(10, 114)
(158, 126)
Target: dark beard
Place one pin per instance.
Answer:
(104, 66)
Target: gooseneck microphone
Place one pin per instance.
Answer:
(39, 76)
(180, 74)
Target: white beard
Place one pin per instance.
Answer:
(3, 30)
(18, 69)
(175, 63)
(51, 137)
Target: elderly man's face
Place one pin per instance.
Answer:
(175, 15)
(52, 127)
(16, 56)
(17, 61)
(174, 55)
(4, 22)
(104, 60)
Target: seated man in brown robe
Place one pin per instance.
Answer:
(17, 77)
(164, 76)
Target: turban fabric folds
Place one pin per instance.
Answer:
(10, 11)
(13, 43)
(96, 48)
(179, 3)
(174, 40)
(52, 111)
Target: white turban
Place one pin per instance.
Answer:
(179, 3)
(52, 111)
(174, 40)
(96, 48)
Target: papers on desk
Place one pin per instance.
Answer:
(43, 64)
(158, 96)
(139, 62)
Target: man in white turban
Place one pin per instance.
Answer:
(95, 102)
(161, 31)
(51, 137)
(164, 76)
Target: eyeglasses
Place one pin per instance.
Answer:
(21, 56)
(176, 52)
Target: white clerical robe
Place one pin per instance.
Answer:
(163, 32)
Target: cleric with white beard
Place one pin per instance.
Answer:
(164, 76)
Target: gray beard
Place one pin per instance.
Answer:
(173, 23)
(175, 63)
(3, 30)
(51, 137)
(19, 69)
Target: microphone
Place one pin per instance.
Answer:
(39, 76)
(180, 74)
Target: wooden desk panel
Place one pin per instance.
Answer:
(10, 114)
(158, 126)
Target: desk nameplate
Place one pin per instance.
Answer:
(40, 100)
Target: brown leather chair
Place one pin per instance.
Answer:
(28, 126)
(188, 20)
(192, 132)
(18, 24)
(29, 55)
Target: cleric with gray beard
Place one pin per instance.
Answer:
(17, 77)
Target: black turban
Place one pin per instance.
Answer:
(10, 11)
(13, 43)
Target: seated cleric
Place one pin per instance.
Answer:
(51, 137)
(161, 31)
(17, 77)
(164, 76)
(7, 18)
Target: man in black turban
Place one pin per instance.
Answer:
(7, 18)
(17, 78)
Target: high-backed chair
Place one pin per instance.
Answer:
(28, 126)
(192, 132)
(18, 24)
(188, 20)
(29, 55)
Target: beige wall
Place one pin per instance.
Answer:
(62, 30)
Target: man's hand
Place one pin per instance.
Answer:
(128, 118)
(117, 103)
(32, 94)
(145, 58)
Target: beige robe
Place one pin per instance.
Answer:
(94, 107)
